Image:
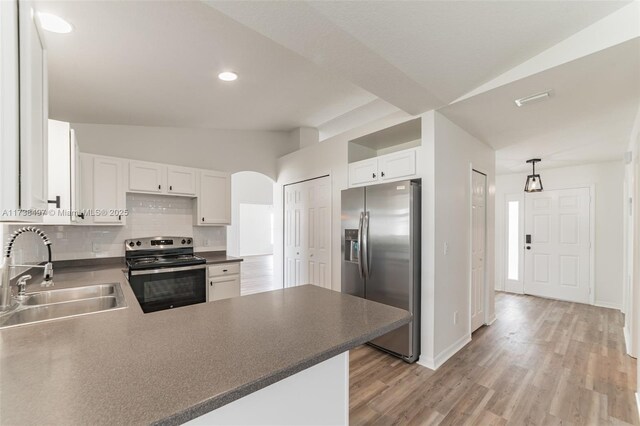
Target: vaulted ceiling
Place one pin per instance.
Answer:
(335, 65)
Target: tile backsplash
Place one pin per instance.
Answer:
(149, 216)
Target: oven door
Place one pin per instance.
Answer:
(166, 288)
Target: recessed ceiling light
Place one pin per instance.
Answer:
(54, 23)
(533, 98)
(228, 76)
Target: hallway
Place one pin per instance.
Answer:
(542, 362)
(256, 275)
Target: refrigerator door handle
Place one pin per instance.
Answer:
(360, 270)
(365, 245)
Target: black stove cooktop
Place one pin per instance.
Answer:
(160, 252)
(165, 261)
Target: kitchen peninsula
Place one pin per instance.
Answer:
(204, 363)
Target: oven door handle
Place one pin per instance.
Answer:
(163, 270)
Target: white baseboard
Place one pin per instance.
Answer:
(627, 342)
(609, 305)
(492, 319)
(443, 356)
(638, 402)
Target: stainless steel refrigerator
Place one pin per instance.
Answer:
(381, 255)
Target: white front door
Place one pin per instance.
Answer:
(478, 238)
(557, 244)
(307, 238)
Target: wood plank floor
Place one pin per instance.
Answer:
(543, 362)
(256, 275)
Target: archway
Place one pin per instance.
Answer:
(251, 233)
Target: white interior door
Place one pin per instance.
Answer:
(294, 235)
(318, 213)
(478, 243)
(307, 230)
(557, 256)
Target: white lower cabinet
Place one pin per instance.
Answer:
(224, 281)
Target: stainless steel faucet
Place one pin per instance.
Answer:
(5, 276)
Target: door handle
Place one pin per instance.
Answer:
(360, 270)
(56, 201)
(365, 245)
(528, 247)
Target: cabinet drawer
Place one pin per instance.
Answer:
(224, 287)
(224, 269)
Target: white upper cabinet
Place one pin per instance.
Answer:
(103, 191)
(385, 168)
(397, 165)
(60, 172)
(146, 177)
(363, 172)
(108, 193)
(9, 107)
(181, 180)
(33, 112)
(214, 198)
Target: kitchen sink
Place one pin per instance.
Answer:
(70, 294)
(64, 303)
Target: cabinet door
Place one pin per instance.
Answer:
(59, 180)
(33, 112)
(9, 107)
(214, 200)
(398, 165)
(76, 179)
(363, 172)
(145, 177)
(108, 191)
(224, 287)
(181, 180)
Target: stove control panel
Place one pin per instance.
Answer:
(158, 243)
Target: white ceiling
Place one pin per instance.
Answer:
(587, 119)
(417, 55)
(156, 63)
(300, 63)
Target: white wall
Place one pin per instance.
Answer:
(248, 188)
(608, 179)
(454, 154)
(224, 150)
(328, 157)
(445, 160)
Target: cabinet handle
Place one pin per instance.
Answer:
(203, 219)
(81, 216)
(56, 201)
(373, 175)
(225, 270)
(382, 174)
(211, 283)
(159, 186)
(119, 217)
(170, 187)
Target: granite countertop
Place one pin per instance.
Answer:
(167, 367)
(214, 257)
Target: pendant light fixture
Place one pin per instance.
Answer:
(534, 183)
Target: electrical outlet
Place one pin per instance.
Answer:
(455, 318)
(446, 248)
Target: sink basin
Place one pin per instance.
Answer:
(70, 294)
(64, 303)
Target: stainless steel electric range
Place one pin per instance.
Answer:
(164, 272)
